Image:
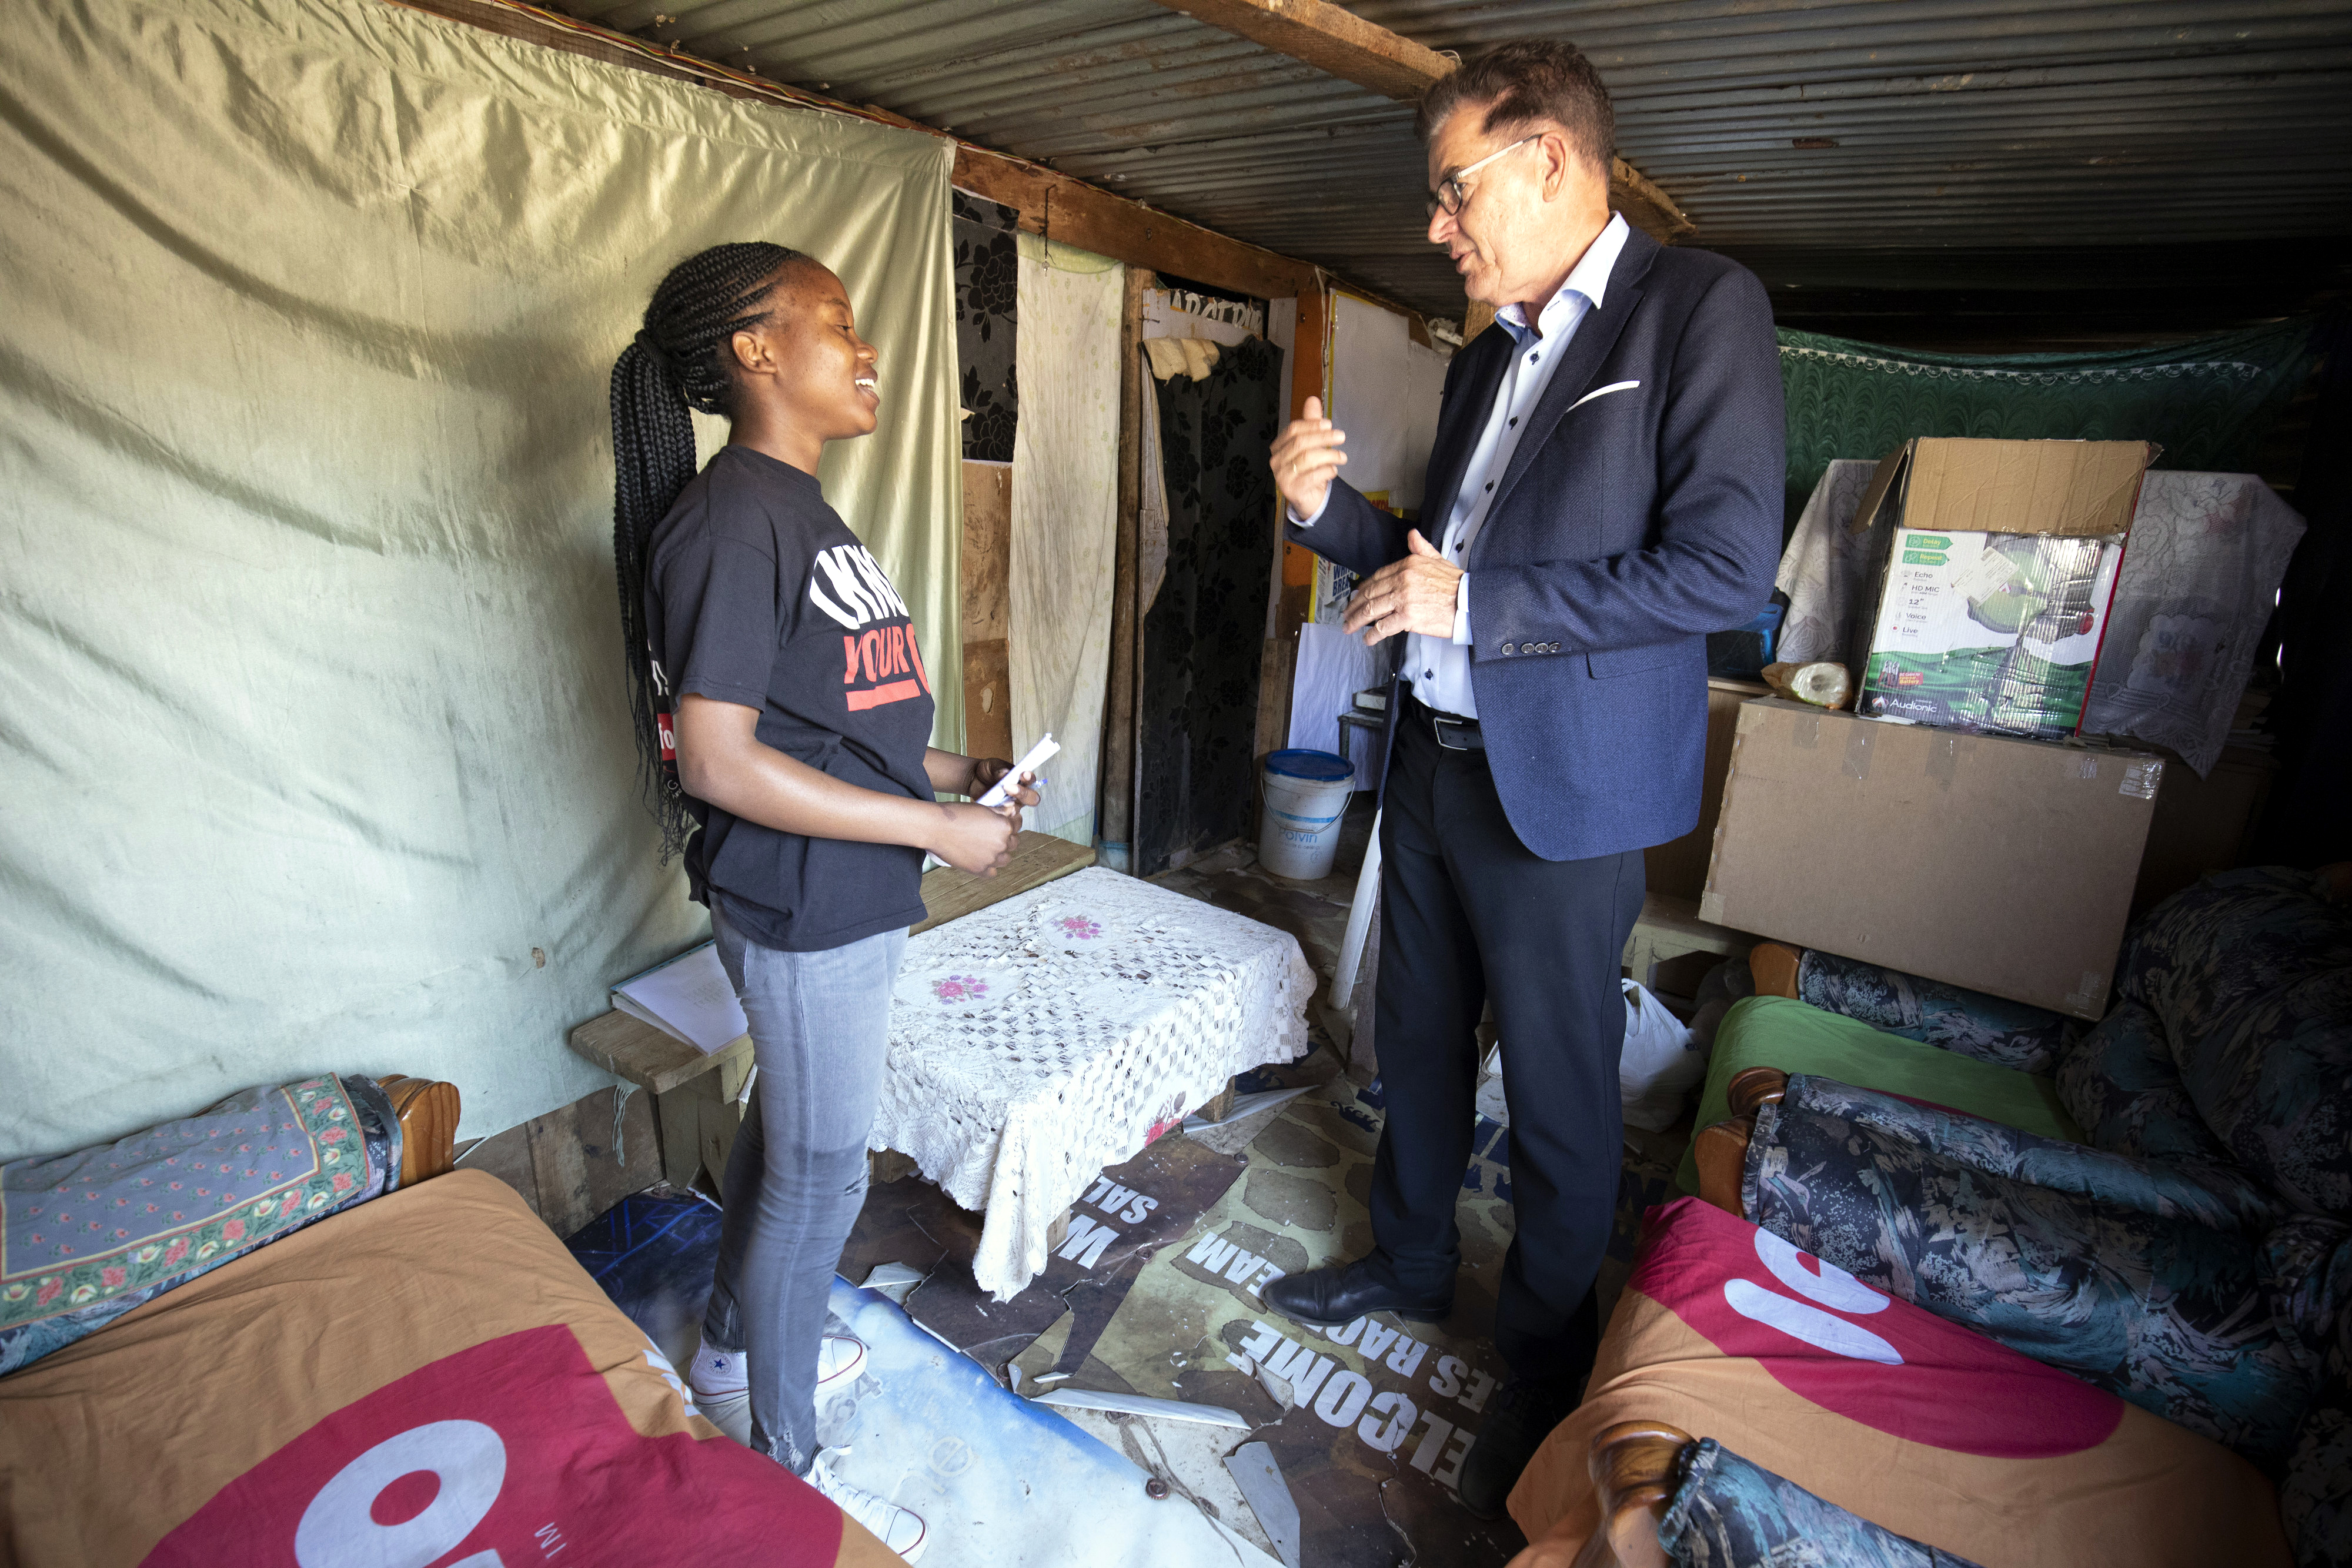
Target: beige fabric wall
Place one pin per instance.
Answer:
(318, 754)
(1065, 518)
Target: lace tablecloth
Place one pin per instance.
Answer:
(1039, 1039)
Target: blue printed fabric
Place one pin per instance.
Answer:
(86, 1236)
(2316, 1497)
(1966, 1023)
(2120, 1084)
(2218, 1195)
(1730, 1513)
(2249, 977)
(2220, 1330)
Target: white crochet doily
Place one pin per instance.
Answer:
(1039, 1039)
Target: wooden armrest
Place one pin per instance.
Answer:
(1753, 1087)
(427, 1109)
(1636, 1468)
(1720, 1153)
(1774, 967)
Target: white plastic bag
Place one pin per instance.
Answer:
(1662, 1064)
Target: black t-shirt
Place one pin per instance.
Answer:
(758, 594)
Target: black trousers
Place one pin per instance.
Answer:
(1468, 911)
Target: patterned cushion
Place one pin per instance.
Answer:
(2120, 1082)
(2315, 1498)
(2222, 1331)
(2248, 974)
(88, 1236)
(1729, 1513)
(1970, 1023)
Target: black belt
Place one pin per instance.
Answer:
(1454, 732)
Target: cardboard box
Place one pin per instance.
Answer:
(2000, 561)
(2004, 866)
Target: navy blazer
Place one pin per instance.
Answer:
(1627, 526)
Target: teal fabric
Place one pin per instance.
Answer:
(2207, 403)
(1730, 1513)
(2250, 974)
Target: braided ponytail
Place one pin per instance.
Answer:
(679, 359)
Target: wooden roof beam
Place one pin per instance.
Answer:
(1337, 42)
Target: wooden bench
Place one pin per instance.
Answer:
(699, 1100)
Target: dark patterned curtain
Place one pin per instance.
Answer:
(987, 291)
(1205, 634)
(2208, 403)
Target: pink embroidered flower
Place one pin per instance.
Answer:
(959, 988)
(344, 1182)
(153, 1206)
(65, 1252)
(233, 1230)
(331, 1135)
(292, 1199)
(177, 1249)
(112, 1279)
(123, 1236)
(47, 1292)
(175, 1187)
(1079, 927)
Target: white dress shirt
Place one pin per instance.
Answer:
(1438, 669)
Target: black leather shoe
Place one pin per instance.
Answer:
(1525, 1411)
(1332, 1298)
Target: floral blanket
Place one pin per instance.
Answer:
(86, 1236)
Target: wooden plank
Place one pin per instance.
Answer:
(988, 699)
(1037, 859)
(568, 1166)
(1077, 214)
(644, 1055)
(1339, 43)
(1335, 41)
(985, 572)
(680, 1112)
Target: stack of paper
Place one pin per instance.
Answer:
(689, 999)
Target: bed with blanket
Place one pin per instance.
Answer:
(1804, 1417)
(275, 1333)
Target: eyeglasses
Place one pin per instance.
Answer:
(1451, 194)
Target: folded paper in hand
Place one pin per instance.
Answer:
(689, 999)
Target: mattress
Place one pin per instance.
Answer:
(1919, 1426)
(426, 1379)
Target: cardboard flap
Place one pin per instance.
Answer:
(1882, 481)
(2075, 488)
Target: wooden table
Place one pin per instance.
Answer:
(699, 1100)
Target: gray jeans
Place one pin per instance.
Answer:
(820, 1029)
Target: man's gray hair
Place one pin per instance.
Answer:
(1522, 85)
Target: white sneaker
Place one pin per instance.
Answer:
(900, 1528)
(720, 1375)
(717, 1374)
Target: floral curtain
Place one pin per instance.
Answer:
(1204, 630)
(987, 304)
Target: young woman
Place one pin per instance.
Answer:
(784, 713)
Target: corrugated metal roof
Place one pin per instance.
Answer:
(1954, 130)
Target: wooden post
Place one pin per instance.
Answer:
(1115, 809)
(1294, 582)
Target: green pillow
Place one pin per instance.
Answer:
(1777, 1031)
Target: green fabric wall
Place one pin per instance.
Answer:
(2207, 403)
(306, 581)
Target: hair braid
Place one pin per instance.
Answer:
(678, 361)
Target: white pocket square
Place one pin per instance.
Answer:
(1601, 391)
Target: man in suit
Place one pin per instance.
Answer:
(1604, 490)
